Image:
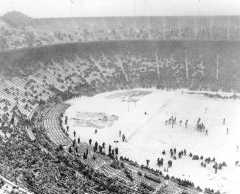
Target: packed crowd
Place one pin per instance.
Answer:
(94, 73)
(42, 167)
(47, 32)
(30, 159)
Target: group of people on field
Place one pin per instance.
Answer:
(172, 121)
(200, 124)
(122, 136)
(174, 154)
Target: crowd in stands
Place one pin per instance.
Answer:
(46, 32)
(42, 167)
(102, 72)
(7, 187)
(29, 157)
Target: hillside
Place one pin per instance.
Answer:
(16, 19)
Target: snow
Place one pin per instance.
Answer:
(147, 135)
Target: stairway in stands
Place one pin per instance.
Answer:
(52, 125)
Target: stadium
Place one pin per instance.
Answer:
(124, 108)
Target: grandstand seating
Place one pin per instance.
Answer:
(38, 86)
(52, 31)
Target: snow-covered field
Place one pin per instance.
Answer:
(142, 115)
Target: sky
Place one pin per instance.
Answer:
(95, 8)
